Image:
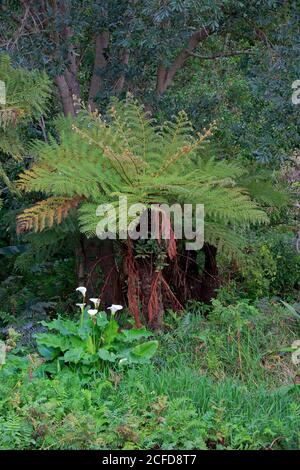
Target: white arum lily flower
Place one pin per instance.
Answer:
(96, 302)
(92, 312)
(114, 308)
(123, 361)
(82, 290)
(81, 305)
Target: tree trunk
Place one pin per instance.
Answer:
(80, 262)
(66, 95)
(124, 60)
(156, 303)
(150, 290)
(145, 270)
(185, 277)
(101, 44)
(101, 271)
(165, 75)
(210, 280)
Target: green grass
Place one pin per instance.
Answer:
(250, 344)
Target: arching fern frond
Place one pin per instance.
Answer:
(45, 213)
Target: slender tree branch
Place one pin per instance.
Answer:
(19, 20)
(165, 77)
(220, 54)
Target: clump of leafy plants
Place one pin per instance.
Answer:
(172, 403)
(93, 342)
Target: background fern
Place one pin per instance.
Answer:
(27, 95)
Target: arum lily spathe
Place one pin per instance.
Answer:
(114, 308)
(96, 301)
(92, 312)
(122, 361)
(82, 290)
(81, 306)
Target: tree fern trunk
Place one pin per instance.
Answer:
(101, 271)
(80, 262)
(186, 279)
(210, 279)
(150, 294)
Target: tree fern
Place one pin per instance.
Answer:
(27, 93)
(97, 160)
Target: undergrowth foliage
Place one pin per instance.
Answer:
(195, 394)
